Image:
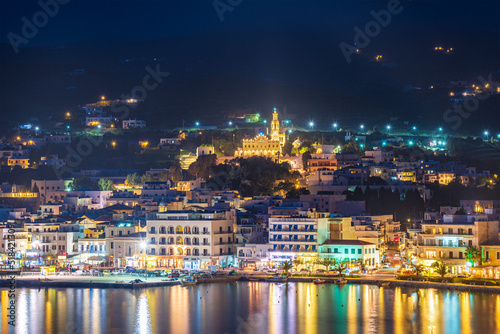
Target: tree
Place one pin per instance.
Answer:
(287, 148)
(353, 147)
(35, 189)
(441, 267)
(340, 265)
(147, 178)
(106, 185)
(132, 180)
(419, 269)
(472, 254)
(305, 157)
(83, 182)
(286, 266)
(327, 262)
(202, 166)
(297, 262)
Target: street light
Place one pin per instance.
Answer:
(335, 125)
(143, 246)
(361, 126)
(414, 128)
(230, 123)
(311, 124)
(197, 123)
(440, 129)
(389, 127)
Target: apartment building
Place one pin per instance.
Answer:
(192, 239)
(450, 236)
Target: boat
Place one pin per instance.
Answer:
(188, 283)
(319, 281)
(385, 284)
(277, 279)
(340, 281)
(253, 279)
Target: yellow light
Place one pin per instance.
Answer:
(103, 97)
(452, 94)
(18, 138)
(113, 143)
(68, 114)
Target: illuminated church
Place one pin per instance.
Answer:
(262, 145)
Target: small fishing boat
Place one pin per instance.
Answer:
(319, 281)
(277, 279)
(188, 283)
(340, 281)
(385, 284)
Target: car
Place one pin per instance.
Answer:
(386, 265)
(320, 271)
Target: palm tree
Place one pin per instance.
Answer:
(472, 254)
(286, 266)
(420, 269)
(298, 261)
(441, 267)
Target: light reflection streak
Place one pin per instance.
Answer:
(143, 324)
(22, 312)
(351, 309)
(465, 313)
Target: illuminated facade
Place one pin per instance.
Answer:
(262, 145)
(190, 240)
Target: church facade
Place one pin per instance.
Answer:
(263, 145)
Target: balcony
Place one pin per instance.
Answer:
(206, 244)
(162, 243)
(152, 232)
(196, 243)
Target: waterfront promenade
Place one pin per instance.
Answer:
(122, 281)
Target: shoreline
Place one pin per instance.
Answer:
(90, 284)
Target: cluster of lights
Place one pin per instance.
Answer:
(378, 58)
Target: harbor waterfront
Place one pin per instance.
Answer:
(252, 307)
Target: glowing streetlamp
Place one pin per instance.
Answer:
(486, 134)
(103, 97)
(113, 144)
(414, 128)
(335, 125)
(230, 123)
(362, 127)
(440, 129)
(265, 121)
(311, 124)
(197, 123)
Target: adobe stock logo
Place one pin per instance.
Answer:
(372, 29)
(29, 29)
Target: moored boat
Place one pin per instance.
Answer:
(188, 283)
(277, 279)
(319, 281)
(340, 281)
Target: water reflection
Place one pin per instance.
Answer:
(252, 308)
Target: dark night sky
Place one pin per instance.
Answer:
(79, 20)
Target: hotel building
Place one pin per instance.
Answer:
(191, 239)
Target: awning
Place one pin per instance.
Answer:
(96, 258)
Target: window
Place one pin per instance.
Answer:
(470, 231)
(487, 255)
(353, 251)
(346, 251)
(335, 250)
(498, 255)
(120, 233)
(112, 245)
(450, 231)
(451, 255)
(112, 233)
(460, 255)
(360, 251)
(470, 242)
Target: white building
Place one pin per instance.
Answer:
(133, 123)
(191, 240)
